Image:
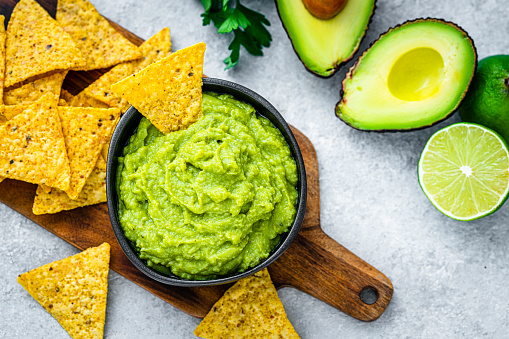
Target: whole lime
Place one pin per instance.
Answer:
(487, 100)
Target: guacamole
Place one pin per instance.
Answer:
(211, 200)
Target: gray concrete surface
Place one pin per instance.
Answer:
(450, 278)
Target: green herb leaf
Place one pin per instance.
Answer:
(248, 27)
(206, 4)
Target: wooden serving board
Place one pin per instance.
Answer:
(314, 263)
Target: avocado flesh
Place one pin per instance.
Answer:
(322, 45)
(413, 76)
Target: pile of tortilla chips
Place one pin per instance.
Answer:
(73, 290)
(49, 136)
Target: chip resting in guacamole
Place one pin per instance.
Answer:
(211, 200)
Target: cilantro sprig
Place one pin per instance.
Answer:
(248, 27)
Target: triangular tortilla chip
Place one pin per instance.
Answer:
(154, 49)
(10, 111)
(101, 44)
(34, 90)
(85, 130)
(94, 192)
(73, 290)
(36, 44)
(2, 56)
(33, 146)
(168, 92)
(249, 309)
(3, 119)
(79, 100)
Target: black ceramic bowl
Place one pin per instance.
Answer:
(126, 127)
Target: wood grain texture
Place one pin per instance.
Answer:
(314, 263)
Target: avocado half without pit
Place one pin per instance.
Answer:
(413, 76)
(325, 33)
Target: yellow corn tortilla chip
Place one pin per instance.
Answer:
(105, 149)
(168, 92)
(10, 111)
(66, 96)
(154, 49)
(79, 100)
(34, 90)
(33, 146)
(85, 130)
(45, 188)
(249, 309)
(54, 201)
(36, 45)
(101, 44)
(83, 100)
(73, 290)
(2, 56)
(3, 119)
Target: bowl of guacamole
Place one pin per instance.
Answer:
(210, 204)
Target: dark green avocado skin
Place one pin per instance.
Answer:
(339, 64)
(352, 70)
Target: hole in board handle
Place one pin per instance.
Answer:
(369, 295)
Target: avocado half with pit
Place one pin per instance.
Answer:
(323, 45)
(413, 76)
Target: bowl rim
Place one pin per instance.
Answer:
(275, 117)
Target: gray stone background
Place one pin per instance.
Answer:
(450, 277)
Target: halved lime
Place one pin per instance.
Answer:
(464, 171)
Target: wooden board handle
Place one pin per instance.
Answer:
(318, 260)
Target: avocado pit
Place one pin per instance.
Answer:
(324, 9)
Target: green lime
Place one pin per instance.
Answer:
(487, 100)
(464, 171)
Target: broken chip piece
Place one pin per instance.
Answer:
(36, 45)
(73, 290)
(33, 146)
(99, 42)
(249, 309)
(168, 92)
(54, 201)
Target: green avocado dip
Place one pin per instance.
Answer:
(211, 200)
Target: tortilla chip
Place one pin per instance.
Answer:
(10, 111)
(3, 119)
(2, 56)
(54, 201)
(33, 146)
(73, 290)
(249, 309)
(154, 49)
(79, 100)
(36, 44)
(85, 131)
(45, 188)
(101, 44)
(168, 92)
(34, 90)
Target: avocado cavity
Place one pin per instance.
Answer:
(416, 75)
